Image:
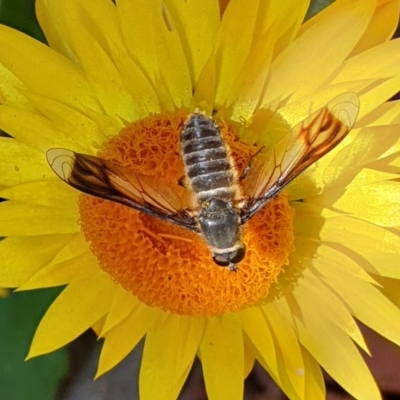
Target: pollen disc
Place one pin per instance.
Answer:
(167, 266)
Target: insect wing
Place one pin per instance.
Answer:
(104, 179)
(272, 169)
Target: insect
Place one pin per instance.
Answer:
(224, 201)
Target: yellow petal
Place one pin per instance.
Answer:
(331, 179)
(222, 357)
(381, 27)
(142, 92)
(390, 288)
(287, 15)
(289, 357)
(58, 126)
(251, 82)
(33, 129)
(365, 301)
(363, 146)
(108, 125)
(44, 71)
(98, 325)
(106, 29)
(138, 34)
(76, 247)
(338, 29)
(306, 185)
(218, 79)
(101, 20)
(123, 304)
(46, 193)
(312, 291)
(327, 255)
(384, 114)
(395, 162)
(46, 13)
(351, 178)
(314, 381)
(382, 91)
(19, 219)
(72, 126)
(168, 354)
(342, 167)
(377, 246)
(203, 97)
(79, 306)
(99, 69)
(309, 219)
(377, 203)
(233, 45)
(123, 337)
(333, 348)
(197, 38)
(260, 339)
(378, 62)
(153, 42)
(20, 163)
(297, 109)
(315, 384)
(249, 361)
(174, 70)
(12, 89)
(21, 257)
(58, 274)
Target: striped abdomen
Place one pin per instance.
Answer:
(206, 159)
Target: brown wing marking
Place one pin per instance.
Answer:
(104, 179)
(272, 169)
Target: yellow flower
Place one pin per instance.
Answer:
(119, 81)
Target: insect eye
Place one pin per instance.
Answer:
(228, 259)
(221, 260)
(238, 255)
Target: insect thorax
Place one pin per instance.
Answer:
(220, 223)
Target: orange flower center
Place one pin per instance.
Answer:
(168, 266)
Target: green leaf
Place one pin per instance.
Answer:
(316, 6)
(36, 379)
(20, 14)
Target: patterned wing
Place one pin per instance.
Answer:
(104, 179)
(272, 169)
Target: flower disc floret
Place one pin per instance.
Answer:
(168, 266)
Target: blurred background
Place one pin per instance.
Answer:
(68, 373)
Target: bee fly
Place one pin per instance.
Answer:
(223, 200)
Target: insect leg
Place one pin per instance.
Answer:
(247, 169)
